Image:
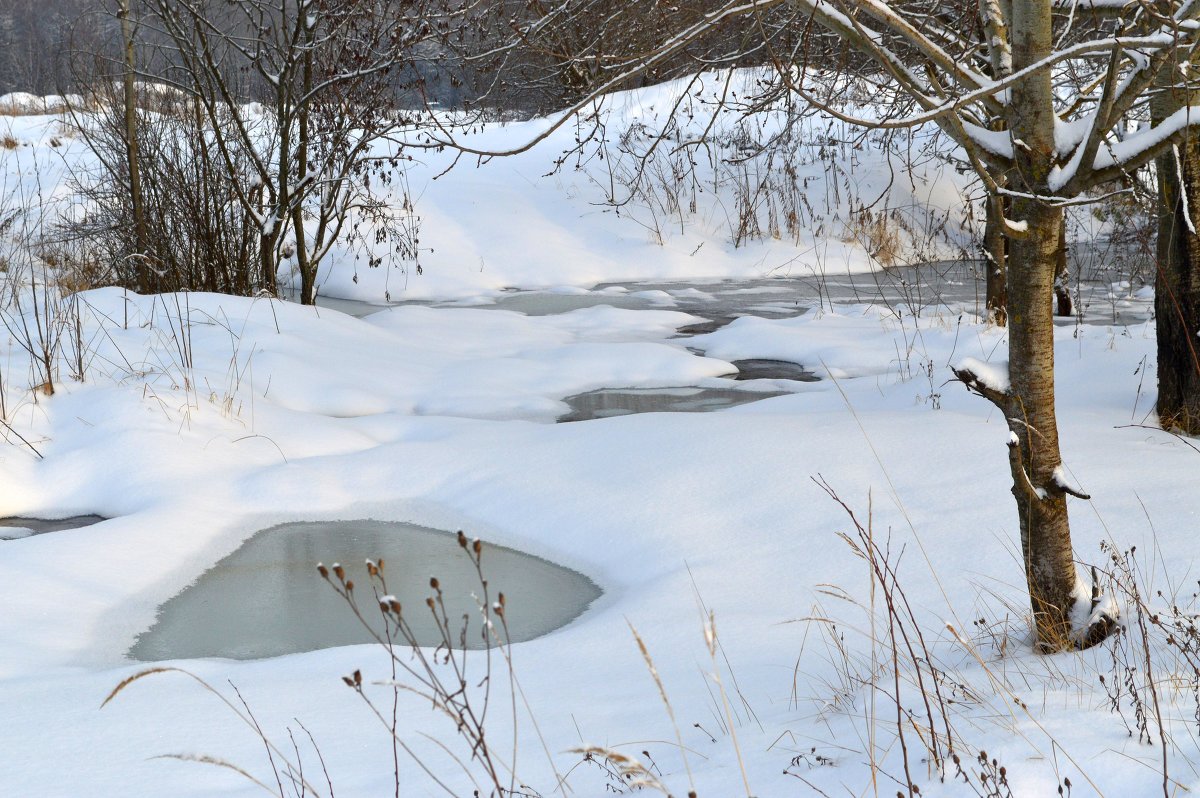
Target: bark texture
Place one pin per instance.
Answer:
(1064, 303)
(1034, 455)
(995, 253)
(146, 275)
(1177, 289)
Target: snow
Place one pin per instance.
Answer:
(997, 142)
(1131, 147)
(1017, 227)
(992, 375)
(442, 416)
(1064, 482)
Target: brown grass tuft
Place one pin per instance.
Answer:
(128, 680)
(878, 233)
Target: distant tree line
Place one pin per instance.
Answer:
(37, 37)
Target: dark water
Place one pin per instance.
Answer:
(625, 401)
(267, 599)
(767, 369)
(16, 527)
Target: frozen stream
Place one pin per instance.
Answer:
(1106, 283)
(16, 527)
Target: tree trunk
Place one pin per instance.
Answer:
(1177, 289)
(995, 253)
(308, 270)
(268, 235)
(146, 282)
(1034, 455)
(1062, 277)
(1033, 254)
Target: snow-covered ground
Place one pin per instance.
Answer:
(202, 418)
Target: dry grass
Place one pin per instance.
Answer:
(32, 109)
(879, 234)
(74, 269)
(82, 273)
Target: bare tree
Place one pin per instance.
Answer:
(325, 73)
(994, 76)
(132, 159)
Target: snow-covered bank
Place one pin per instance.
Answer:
(324, 420)
(201, 419)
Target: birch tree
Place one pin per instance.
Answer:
(1000, 78)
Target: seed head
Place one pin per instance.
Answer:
(433, 582)
(462, 539)
(322, 570)
(339, 572)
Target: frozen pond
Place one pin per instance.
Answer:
(266, 599)
(16, 527)
(625, 401)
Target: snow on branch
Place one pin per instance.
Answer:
(994, 142)
(1107, 6)
(1123, 156)
(992, 89)
(993, 375)
(1062, 483)
(989, 380)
